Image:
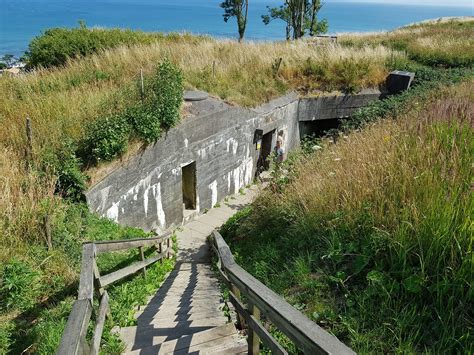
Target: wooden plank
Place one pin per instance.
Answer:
(142, 256)
(86, 281)
(99, 327)
(225, 254)
(240, 317)
(253, 339)
(73, 341)
(306, 334)
(129, 270)
(116, 245)
(255, 325)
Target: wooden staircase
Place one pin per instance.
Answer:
(184, 316)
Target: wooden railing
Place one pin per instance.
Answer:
(263, 302)
(73, 341)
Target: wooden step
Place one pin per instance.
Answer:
(190, 309)
(147, 335)
(199, 314)
(202, 320)
(222, 338)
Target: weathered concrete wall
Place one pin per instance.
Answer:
(146, 192)
(336, 106)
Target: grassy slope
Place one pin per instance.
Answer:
(372, 237)
(443, 43)
(38, 286)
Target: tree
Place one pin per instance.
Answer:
(8, 59)
(300, 16)
(238, 9)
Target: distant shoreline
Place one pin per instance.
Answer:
(25, 19)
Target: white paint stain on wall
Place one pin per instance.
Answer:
(145, 201)
(156, 189)
(113, 212)
(242, 175)
(232, 143)
(132, 193)
(213, 187)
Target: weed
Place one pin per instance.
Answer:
(18, 286)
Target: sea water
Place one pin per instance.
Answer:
(22, 20)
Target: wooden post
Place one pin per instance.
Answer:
(168, 246)
(213, 69)
(160, 250)
(47, 232)
(142, 84)
(142, 256)
(240, 318)
(253, 339)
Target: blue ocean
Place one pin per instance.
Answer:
(22, 20)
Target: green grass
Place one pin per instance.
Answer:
(372, 237)
(37, 288)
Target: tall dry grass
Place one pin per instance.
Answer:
(377, 229)
(445, 43)
(61, 101)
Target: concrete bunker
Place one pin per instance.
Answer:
(213, 153)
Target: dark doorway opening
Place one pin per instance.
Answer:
(189, 186)
(318, 129)
(265, 152)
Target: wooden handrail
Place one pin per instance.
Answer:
(306, 334)
(73, 340)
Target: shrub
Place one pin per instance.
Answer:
(18, 287)
(145, 122)
(56, 45)
(106, 139)
(167, 93)
(66, 166)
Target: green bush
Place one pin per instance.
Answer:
(145, 123)
(159, 109)
(167, 93)
(55, 46)
(66, 166)
(18, 286)
(106, 139)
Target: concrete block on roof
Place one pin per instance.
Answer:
(399, 81)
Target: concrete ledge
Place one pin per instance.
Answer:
(335, 107)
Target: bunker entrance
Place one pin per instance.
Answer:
(189, 186)
(265, 151)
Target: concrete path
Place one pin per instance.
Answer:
(185, 315)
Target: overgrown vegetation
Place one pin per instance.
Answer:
(441, 43)
(56, 46)
(371, 236)
(37, 286)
